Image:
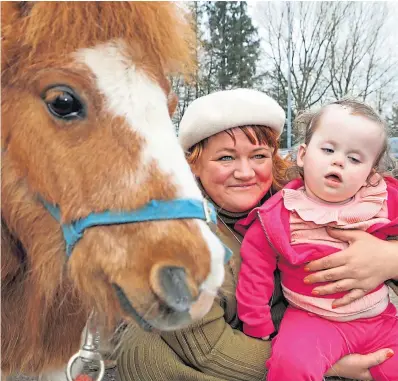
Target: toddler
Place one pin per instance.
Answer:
(341, 188)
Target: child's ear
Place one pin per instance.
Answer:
(371, 179)
(301, 154)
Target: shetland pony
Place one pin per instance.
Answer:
(86, 127)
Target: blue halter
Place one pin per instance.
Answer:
(155, 210)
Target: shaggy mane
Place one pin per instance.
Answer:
(41, 30)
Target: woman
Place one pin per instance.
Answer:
(231, 143)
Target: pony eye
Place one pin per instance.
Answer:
(64, 104)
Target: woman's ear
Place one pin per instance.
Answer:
(301, 154)
(195, 168)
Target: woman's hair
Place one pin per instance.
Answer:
(256, 135)
(306, 123)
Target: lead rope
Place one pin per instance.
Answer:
(88, 353)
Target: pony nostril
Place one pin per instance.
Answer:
(174, 288)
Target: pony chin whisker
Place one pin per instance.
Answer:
(149, 311)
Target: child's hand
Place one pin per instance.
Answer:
(265, 338)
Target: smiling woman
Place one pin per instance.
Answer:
(239, 165)
(236, 167)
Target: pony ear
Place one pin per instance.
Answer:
(13, 10)
(11, 13)
(25, 7)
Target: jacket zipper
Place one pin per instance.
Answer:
(272, 247)
(267, 236)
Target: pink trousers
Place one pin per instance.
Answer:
(307, 345)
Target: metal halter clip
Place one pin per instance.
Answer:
(209, 221)
(89, 351)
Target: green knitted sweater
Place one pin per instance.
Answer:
(213, 349)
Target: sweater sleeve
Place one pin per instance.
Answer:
(256, 283)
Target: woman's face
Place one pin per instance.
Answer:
(236, 176)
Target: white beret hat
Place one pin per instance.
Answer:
(222, 110)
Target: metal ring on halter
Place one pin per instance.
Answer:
(92, 356)
(209, 222)
(89, 351)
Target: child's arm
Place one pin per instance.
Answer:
(256, 283)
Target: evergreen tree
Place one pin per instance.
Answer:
(227, 51)
(233, 46)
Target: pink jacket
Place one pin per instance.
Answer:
(266, 245)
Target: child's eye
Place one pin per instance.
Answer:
(354, 160)
(327, 150)
(225, 158)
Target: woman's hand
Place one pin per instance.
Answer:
(357, 366)
(364, 265)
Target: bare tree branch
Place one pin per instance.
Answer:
(336, 50)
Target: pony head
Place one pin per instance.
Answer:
(86, 126)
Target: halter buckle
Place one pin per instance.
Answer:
(209, 221)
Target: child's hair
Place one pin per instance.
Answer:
(307, 121)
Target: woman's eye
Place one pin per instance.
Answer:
(327, 150)
(64, 104)
(260, 156)
(354, 160)
(225, 158)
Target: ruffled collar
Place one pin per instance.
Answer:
(365, 205)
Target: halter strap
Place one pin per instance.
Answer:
(155, 210)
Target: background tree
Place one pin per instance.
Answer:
(276, 88)
(392, 121)
(233, 43)
(314, 26)
(358, 65)
(227, 51)
(338, 49)
(188, 89)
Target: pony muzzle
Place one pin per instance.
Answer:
(176, 289)
(173, 288)
(179, 300)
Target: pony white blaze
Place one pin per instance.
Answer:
(130, 93)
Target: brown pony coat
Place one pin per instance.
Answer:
(38, 297)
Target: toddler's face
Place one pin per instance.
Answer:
(340, 155)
